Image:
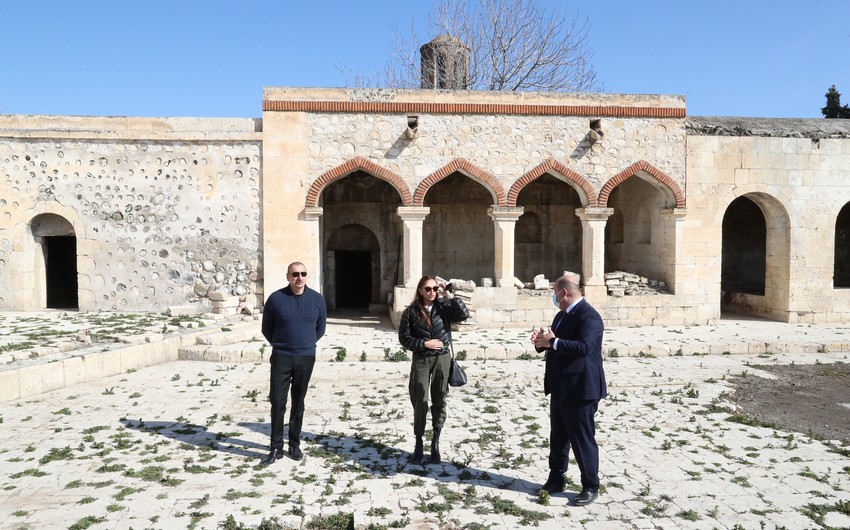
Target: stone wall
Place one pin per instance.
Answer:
(166, 212)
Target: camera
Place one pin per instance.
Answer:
(449, 287)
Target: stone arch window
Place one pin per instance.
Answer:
(56, 264)
(841, 270)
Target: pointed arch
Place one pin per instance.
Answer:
(661, 180)
(470, 170)
(357, 164)
(578, 182)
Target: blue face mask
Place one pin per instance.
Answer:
(555, 300)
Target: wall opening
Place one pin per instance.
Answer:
(548, 233)
(841, 273)
(638, 238)
(360, 214)
(353, 279)
(352, 268)
(60, 260)
(458, 238)
(744, 248)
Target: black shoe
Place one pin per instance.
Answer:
(554, 484)
(275, 454)
(436, 458)
(586, 497)
(418, 452)
(295, 452)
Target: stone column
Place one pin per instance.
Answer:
(593, 250)
(412, 218)
(312, 214)
(504, 221)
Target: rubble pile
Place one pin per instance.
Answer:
(621, 283)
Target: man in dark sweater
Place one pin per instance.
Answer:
(294, 320)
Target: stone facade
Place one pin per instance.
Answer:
(165, 212)
(373, 188)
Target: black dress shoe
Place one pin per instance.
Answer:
(554, 484)
(275, 454)
(295, 452)
(586, 497)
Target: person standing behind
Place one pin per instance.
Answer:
(575, 379)
(294, 319)
(425, 329)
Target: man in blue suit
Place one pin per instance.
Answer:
(575, 379)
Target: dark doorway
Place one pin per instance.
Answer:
(841, 274)
(61, 271)
(353, 278)
(744, 248)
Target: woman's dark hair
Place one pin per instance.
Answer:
(418, 303)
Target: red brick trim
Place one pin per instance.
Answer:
(471, 170)
(648, 168)
(377, 107)
(355, 164)
(549, 166)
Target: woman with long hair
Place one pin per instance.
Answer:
(425, 329)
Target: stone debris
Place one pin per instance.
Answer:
(621, 283)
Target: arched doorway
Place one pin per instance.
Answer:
(637, 237)
(361, 234)
(353, 265)
(548, 234)
(744, 248)
(841, 272)
(755, 265)
(458, 237)
(56, 264)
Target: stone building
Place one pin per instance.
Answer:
(372, 188)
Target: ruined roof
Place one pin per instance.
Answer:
(772, 127)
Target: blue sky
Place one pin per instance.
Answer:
(766, 58)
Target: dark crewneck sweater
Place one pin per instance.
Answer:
(294, 323)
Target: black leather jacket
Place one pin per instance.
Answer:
(413, 331)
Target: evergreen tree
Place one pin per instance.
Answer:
(833, 107)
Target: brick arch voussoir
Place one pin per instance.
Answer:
(464, 166)
(649, 169)
(553, 165)
(358, 164)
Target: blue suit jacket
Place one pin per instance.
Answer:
(574, 368)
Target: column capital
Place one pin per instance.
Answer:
(312, 213)
(413, 213)
(594, 214)
(505, 213)
(677, 214)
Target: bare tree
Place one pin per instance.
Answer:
(512, 45)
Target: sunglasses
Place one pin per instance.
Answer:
(296, 273)
(428, 288)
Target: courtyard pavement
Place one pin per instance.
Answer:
(176, 445)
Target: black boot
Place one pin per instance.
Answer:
(418, 451)
(435, 447)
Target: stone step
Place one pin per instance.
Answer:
(234, 352)
(244, 331)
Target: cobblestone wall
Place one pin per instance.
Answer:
(176, 220)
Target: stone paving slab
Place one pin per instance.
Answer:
(176, 445)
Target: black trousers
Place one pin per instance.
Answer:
(289, 371)
(573, 427)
